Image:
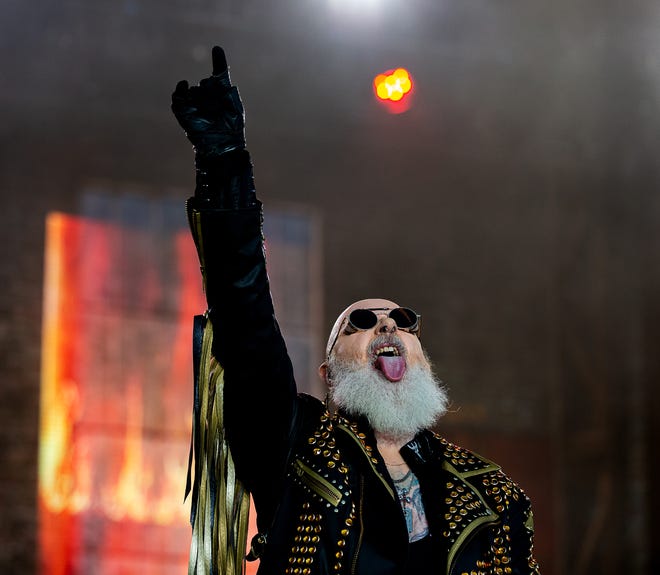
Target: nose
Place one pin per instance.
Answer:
(386, 325)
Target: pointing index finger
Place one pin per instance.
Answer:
(219, 61)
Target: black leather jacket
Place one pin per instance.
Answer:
(325, 502)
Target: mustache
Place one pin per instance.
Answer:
(387, 340)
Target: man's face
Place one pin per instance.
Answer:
(387, 349)
(382, 373)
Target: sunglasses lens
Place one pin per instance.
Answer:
(363, 318)
(404, 317)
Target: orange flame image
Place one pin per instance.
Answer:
(115, 404)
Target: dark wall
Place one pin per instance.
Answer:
(514, 205)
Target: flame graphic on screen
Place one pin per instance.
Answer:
(116, 399)
(59, 395)
(111, 457)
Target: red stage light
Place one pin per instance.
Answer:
(393, 85)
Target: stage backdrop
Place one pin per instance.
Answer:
(122, 284)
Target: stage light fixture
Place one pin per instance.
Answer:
(393, 85)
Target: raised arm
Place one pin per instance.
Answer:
(226, 221)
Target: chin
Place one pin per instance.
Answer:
(395, 409)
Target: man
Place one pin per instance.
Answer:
(356, 485)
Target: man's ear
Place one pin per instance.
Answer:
(323, 373)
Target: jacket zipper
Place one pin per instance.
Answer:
(318, 484)
(359, 543)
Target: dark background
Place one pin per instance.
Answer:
(515, 205)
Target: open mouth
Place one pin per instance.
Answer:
(390, 362)
(388, 351)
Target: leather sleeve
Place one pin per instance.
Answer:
(260, 391)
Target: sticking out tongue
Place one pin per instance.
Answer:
(393, 367)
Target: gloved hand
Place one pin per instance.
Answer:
(211, 113)
(213, 119)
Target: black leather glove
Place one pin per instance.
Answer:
(213, 119)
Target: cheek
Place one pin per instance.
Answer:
(416, 358)
(414, 347)
(353, 346)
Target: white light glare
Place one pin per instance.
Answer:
(355, 5)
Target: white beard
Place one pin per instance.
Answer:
(398, 410)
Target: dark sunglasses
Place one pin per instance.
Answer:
(405, 319)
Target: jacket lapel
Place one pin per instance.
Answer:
(463, 510)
